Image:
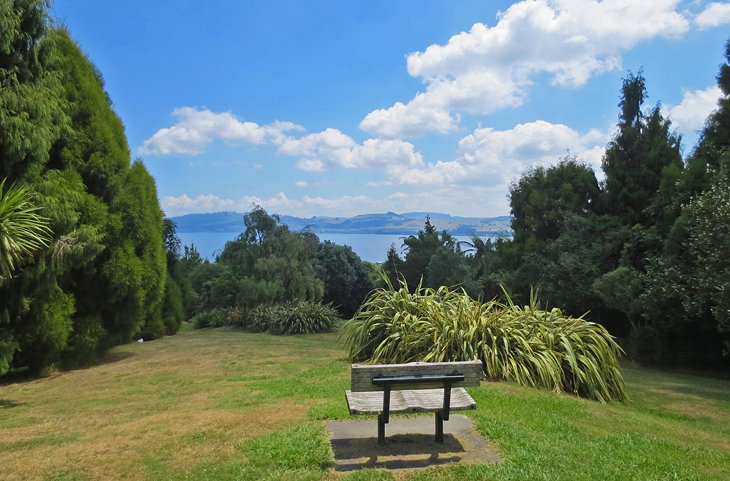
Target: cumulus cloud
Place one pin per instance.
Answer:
(196, 129)
(490, 68)
(301, 183)
(496, 157)
(690, 114)
(714, 15)
(184, 204)
(332, 147)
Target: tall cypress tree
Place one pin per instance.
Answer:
(634, 160)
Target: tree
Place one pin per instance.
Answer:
(346, 279)
(102, 275)
(542, 198)
(393, 265)
(716, 135)
(32, 109)
(636, 157)
(266, 264)
(420, 249)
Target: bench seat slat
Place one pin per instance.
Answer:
(408, 401)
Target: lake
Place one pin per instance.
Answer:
(370, 247)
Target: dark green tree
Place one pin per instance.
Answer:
(346, 279)
(541, 199)
(102, 276)
(642, 149)
(267, 264)
(420, 248)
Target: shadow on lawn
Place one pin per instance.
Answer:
(9, 403)
(23, 374)
(705, 392)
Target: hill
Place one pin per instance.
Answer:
(387, 223)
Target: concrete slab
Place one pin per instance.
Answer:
(409, 443)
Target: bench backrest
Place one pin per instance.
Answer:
(362, 374)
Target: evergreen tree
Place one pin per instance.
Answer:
(636, 157)
(345, 277)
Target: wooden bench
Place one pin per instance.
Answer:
(414, 387)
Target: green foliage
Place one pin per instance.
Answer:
(542, 198)
(22, 229)
(31, 109)
(346, 279)
(306, 317)
(210, 318)
(527, 345)
(300, 317)
(266, 264)
(635, 159)
(102, 275)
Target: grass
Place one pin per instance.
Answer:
(225, 405)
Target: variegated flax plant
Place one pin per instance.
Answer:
(524, 344)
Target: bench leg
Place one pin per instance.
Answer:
(381, 429)
(439, 427)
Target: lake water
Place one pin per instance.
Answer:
(370, 247)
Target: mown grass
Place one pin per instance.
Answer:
(225, 405)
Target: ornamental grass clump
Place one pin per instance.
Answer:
(524, 344)
(306, 317)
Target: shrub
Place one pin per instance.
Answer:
(306, 317)
(210, 318)
(301, 317)
(264, 318)
(527, 345)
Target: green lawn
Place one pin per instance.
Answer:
(226, 405)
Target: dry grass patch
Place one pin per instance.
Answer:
(153, 410)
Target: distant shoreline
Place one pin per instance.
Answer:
(388, 223)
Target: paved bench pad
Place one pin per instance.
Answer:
(407, 401)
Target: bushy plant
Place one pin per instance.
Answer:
(524, 344)
(210, 318)
(300, 317)
(264, 318)
(306, 317)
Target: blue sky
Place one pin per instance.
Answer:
(349, 107)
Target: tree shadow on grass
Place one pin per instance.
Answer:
(9, 403)
(24, 374)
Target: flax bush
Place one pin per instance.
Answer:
(299, 317)
(524, 344)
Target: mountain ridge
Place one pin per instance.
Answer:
(383, 223)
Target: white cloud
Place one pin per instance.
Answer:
(470, 201)
(490, 68)
(496, 157)
(196, 129)
(716, 14)
(694, 108)
(301, 183)
(332, 147)
(185, 204)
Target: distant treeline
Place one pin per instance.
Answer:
(101, 278)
